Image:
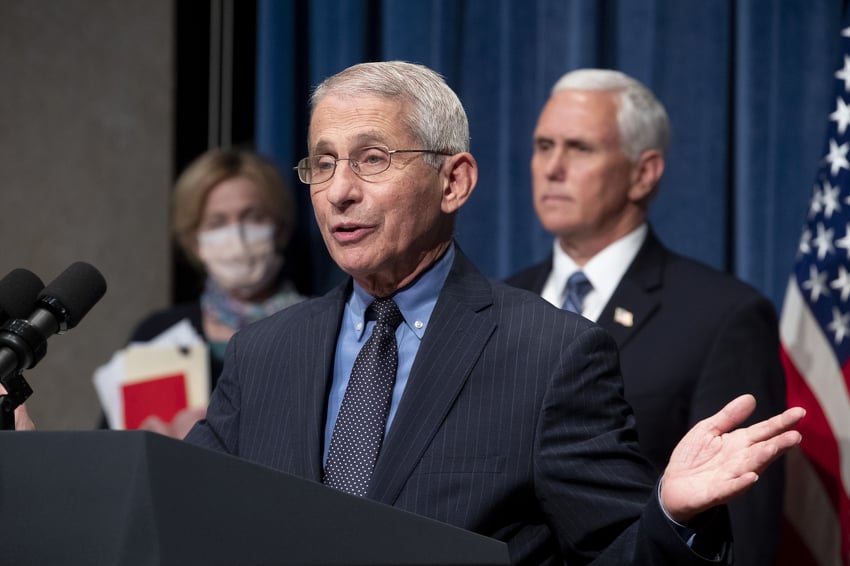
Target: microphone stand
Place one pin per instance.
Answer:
(17, 391)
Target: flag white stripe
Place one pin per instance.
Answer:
(810, 512)
(806, 345)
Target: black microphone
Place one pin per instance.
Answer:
(58, 307)
(18, 292)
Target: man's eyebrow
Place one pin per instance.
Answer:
(571, 141)
(374, 137)
(364, 139)
(321, 148)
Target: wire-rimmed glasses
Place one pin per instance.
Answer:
(365, 162)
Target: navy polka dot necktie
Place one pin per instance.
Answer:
(359, 428)
(578, 286)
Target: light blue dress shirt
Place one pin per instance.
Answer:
(416, 303)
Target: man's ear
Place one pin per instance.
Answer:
(646, 174)
(459, 175)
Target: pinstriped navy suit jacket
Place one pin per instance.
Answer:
(512, 424)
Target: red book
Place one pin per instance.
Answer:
(160, 396)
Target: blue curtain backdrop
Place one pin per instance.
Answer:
(747, 84)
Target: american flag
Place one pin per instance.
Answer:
(815, 334)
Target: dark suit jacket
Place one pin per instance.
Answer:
(512, 424)
(700, 337)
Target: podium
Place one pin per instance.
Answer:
(136, 498)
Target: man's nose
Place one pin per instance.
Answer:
(344, 185)
(555, 164)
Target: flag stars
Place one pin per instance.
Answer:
(806, 242)
(840, 325)
(843, 73)
(816, 205)
(842, 283)
(816, 284)
(823, 241)
(841, 116)
(844, 243)
(837, 157)
(829, 198)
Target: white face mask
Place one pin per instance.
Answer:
(241, 258)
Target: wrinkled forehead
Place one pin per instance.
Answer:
(575, 112)
(340, 123)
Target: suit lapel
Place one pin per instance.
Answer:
(320, 333)
(635, 300)
(457, 332)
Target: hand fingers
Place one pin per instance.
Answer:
(759, 456)
(733, 414)
(154, 424)
(22, 419)
(185, 420)
(781, 443)
(776, 425)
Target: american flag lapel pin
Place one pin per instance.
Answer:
(624, 317)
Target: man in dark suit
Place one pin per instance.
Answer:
(690, 337)
(502, 415)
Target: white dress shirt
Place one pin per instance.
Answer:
(604, 271)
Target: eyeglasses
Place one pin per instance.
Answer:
(365, 162)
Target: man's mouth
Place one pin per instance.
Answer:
(350, 232)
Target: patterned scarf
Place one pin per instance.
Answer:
(235, 314)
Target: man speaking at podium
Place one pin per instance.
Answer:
(421, 384)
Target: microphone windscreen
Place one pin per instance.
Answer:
(77, 289)
(18, 292)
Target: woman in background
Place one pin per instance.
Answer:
(233, 217)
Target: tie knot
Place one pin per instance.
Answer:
(386, 312)
(578, 286)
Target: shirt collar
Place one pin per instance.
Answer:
(416, 301)
(604, 270)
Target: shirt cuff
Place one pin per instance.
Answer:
(701, 535)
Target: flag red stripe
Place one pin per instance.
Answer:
(818, 444)
(820, 386)
(823, 452)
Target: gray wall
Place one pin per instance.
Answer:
(86, 105)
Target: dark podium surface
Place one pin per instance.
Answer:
(137, 498)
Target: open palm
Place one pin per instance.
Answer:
(715, 462)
